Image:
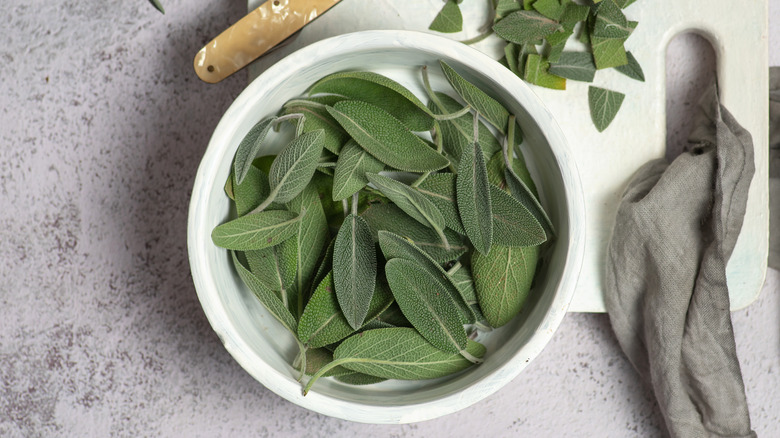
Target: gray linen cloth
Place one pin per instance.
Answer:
(774, 167)
(666, 290)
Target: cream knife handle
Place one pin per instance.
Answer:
(255, 34)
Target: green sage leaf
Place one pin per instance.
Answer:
(486, 106)
(513, 223)
(294, 167)
(387, 139)
(463, 280)
(275, 268)
(526, 195)
(506, 7)
(433, 314)
(323, 323)
(256, 231)
(557, 43)
(473, 199)
(390, 218)
(359, 379)
(317, 358)
(536, 72)
(503, 281)
(573, 14)
(633, 70)
(351, 168)
(393, 316)
(268, 298)
(577, 66)
(250, 146)
(608, 52)
(449, 19)
(157, 5)
(397, 353)
(610, 22)
(552, 9)
(317, 117)
(459, 133)
(439, 188)
(604, 105)
(252, 191)
(379, 91)
(522, 27)
(354, 269)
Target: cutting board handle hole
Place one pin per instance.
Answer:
(691, 65)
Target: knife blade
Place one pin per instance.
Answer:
(255, 34)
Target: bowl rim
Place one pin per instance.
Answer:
(384, 40)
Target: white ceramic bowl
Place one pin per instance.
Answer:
(259, 343)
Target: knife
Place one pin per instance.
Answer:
(255, 34)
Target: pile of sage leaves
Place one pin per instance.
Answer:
(387, 232)
(536, 32)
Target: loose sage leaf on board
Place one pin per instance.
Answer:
(351, 168)
(387, 139)
(323, 323)
(573, 14)
(512, 55)
(522, 57)
(449, 18)
(522, 27)
(398, 353)
(256, 231)
(379, 91)
(552, 9)
(390, 218)
(610, 22)
(459, 133)
(157, 5)
(503, 281)
(506, 7)
(536, 72)
(604, 105)
(268, 298)
(316, 358)
(463, 280)
(294, 167)
(473, 199)
(317, 117)
(577, 66)
(439, 188)
(608, 52)
(359, 379)
(633, 70)
(557, 42)
(354, 269)
(410, 201)
(486, 106)
(433, 314)
(250, 146)
(624, 3)
(513, 223)
(394, 246)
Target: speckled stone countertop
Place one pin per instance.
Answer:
(102, 126)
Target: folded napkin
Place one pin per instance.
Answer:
(666, 290)
(774, 167)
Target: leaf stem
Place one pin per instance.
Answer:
(420, 179)
(267, 201)
(294, 116)
(345, 204)
(510, 141)
(302, 353)
(454, 268)
(443, 238)
(355, 203)
(466, 109)
(321, 372)
(470, 358)
(326, 164)
(429, 90)
(477, 38)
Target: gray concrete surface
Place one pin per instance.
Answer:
(102, 126)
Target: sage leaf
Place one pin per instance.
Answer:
(157, 5)
(624, 3)
(439, 188)
(359, 379)
(387, 139)
(458, 133)
(354, 269)
(229, 186)
(608, 52)
(610, 22)
(632, 69)
(473, 199)
(256, 231)
(552, 9)
(557, 43)
(267, 297)
(449, 19)
(294, 167)
(536, 72)
(573, 14)
(604, 105)
(512, 55)
(351, 168)
(503, 281)
(506, 7)
(391, 218)
(250, 146)
(523, 27)
(463, 280)
(394, 246)
(317, 358)
(275, 268)
(486, 106)
(379, 91)
(412, 203)
(317, 117)
(433, 314)
(577, 66)
(397, 353)
(326, 264)
(513, 223)
(527, 197)
(252, 191)
(323, 323)
(393, 316)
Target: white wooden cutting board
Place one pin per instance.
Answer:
(738, 33)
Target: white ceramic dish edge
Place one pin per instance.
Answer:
(199, 237)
